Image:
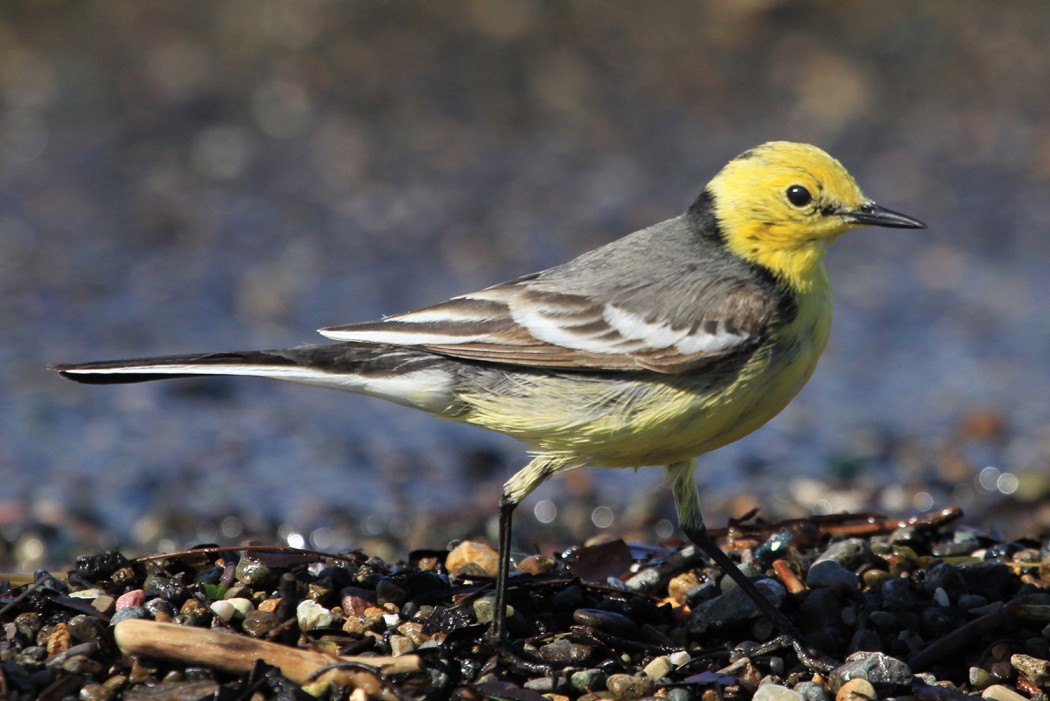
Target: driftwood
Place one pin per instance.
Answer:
(231, 652)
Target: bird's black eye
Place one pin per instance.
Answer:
(799, 196)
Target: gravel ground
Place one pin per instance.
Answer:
(917, 609)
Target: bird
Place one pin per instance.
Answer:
(653, 349)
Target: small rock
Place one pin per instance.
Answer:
(95, 692)
(537, 564)
(129, 612)
(135, 597)
(658, 668)
(588, 680)
(679, 586)
(545, 685)
(680, 658)
(811, 691)
(252, 572)
(625, 687)
(389, 591)
(400, 645)
(887, 674)
(104, 604)
(998, 692)
(776, 692)
(60, 640)
(311, 615)
(1036, 670)
(606, 621)
(830, 574)
(258, 623)
(223, 610)
(471, 558)
(679, 694)
(86, 628)
(980, 678)
(850, 553)
(732, 608)
(856, 690)
(484, 608)
(354, 600)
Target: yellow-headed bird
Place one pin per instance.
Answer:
(665, 344)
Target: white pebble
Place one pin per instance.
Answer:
(223, 610)
(311, 615)
(775, 692)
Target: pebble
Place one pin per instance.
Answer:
(679, 694)
(658, 668)
(311, 615)
(776, 692)
(95, 692)
(471, 558)
(731, 608)
(811, 691)
(60, 640)
(625, 687)
(355, 600)
(856, 690)
(830, 574)
(223, 610)
(104, 604)
(484, 608)
(998, 692)
(258, 623)
(588, 680)
(135, 597)
(390, 592)
(850, 553)
(680, 657)
(606, 621)
(129, 612)
(537, 564)
(85, 628)
(887, 674)
(400, 645)
(252, 572)
(1034, 669)
(679, 586)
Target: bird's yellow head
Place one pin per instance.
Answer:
(779, 205)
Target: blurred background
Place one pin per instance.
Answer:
(179, 177)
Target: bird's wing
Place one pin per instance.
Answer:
(531, 322)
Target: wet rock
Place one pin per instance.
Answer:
(258, 623)
(830, 574)
(606, 621)
(732, 608)
(887, 674)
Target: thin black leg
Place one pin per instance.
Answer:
(497, 632)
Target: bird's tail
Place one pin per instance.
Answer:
(404, 375)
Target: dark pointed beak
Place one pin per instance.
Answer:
(871, 214)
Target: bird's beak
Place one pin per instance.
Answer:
(871, 214)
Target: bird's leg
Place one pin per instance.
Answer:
(497, 632)
(515, 489)
(691, 519)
